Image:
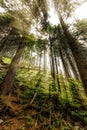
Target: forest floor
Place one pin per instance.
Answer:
(35, 104)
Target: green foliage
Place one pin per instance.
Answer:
(74, 82)
(41, 118)
(36, 44)
(6, 60)
(57, 123)
(6, 19)
(2, 4)
(29, 120)
(27, 94)
(40, 44)
(23, 128)
(49, 28)
(53, 87)
(81, 28)
(80, 115)
(1, 96)
(31, 40)
(56, 110)
(59, 110)
(51, 127)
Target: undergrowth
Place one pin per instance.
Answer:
(43, 106)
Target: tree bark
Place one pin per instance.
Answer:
(52, 61)
(45, 60)
(73, 66)
(40, 62)
(58, 82)
(7, 84)
(67, 72)
(3, 46)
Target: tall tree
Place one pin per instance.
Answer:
(80, 30)
(8, 81)
(67, 52)
(22, 21)
(79, 51)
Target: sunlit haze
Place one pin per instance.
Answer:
(1, 9)
(53, 17)
(80, 13)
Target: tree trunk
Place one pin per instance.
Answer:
(79, 53)
(3, 46)
(40, 62)
(45, 60)
(65, 65)
(69, 56)
(52, 61)
(7, 84)
(58, 82)
(73, 66)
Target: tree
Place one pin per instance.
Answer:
(41, 49)
(54, 52)
(5, 31)
(8, 81)
(67, 54)
(80, 31)
(21, 23)
(79, 51)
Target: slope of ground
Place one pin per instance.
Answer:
(36, 104)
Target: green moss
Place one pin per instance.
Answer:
(6, 60)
